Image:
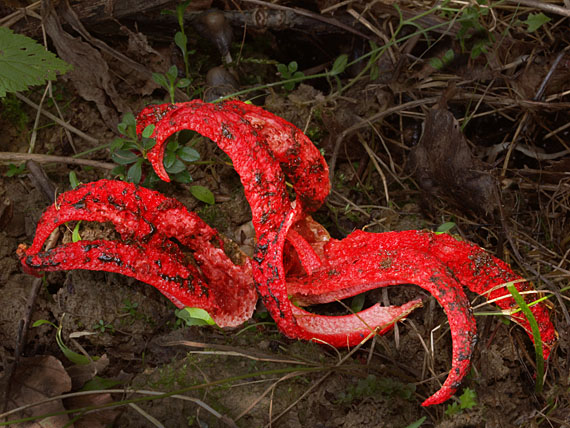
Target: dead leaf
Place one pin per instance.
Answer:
(99, 419)
(444, 165)
(36, 379)
(90, 75)
(80, 374)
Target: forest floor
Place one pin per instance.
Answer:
(483, 89)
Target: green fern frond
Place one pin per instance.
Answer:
(24, 63)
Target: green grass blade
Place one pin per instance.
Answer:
(535, 334)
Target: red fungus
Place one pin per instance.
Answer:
(146, 220)
(295, 259)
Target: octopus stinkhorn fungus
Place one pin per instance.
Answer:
(296, 263)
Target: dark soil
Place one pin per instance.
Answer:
(415, 140)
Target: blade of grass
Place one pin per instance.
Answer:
(535, 333)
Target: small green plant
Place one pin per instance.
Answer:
(180, 38)
(102, 327)
(130, 154)
(203, 194)
(73, 180)
(445, 227)
(535, 20)
(289, 72)
(14, 170)
(170, 81)
(75, 236)
(72, 356)
(439, 63)
(25, 63)
(130, 307)
(473, 32)
(467, 400)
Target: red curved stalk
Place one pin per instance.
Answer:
(350, 330)
(146, 220)
(264, 187)
(298, 157)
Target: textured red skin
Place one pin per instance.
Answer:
(472, 266)
(363, 261)
(342, 331)
(145, 220)
(297, 155)
(318, 269)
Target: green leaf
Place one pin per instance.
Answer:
(282, 70)
(72, 356)
(43, 322)
(195, 316)
(172, 146)
(25, 63)
(436, 63)
(357, 303)
(176, 167)
(452, 409)
(147, 132)
(445, 227)
(75, 236)
(298, 74)
(448, 56)
(98, 383)
(183, 177)
(130, 145)
(537, 338)
(183, 83)
(293, 66)
(172, 73)
(188, 154)
(468, 399)
(203, 194)
(129, 120)
(289, 86)
(169, 158)
(135, 172)
(417, 423)
(124, 157)
(339, 64)
(117, 143)
(181, 41)
(160, 79)
(15, 170)
(535, 20)
(148, 143)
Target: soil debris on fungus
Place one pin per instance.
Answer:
(367, 211)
